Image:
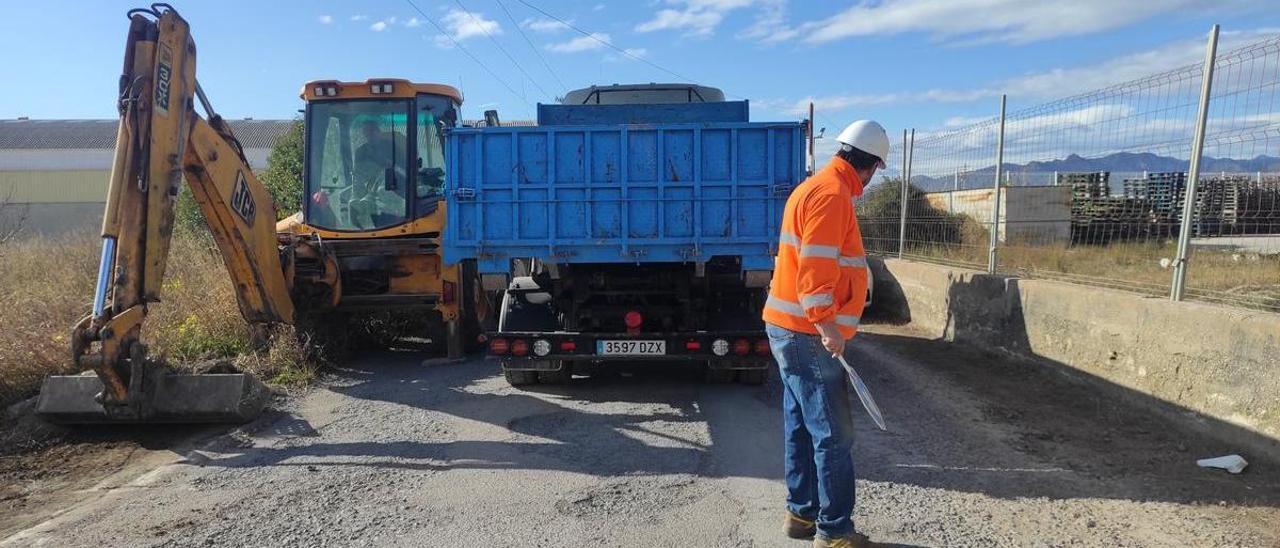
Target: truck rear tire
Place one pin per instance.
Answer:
(754, 377)
(559, 376)
(520, 378)
(717, 376)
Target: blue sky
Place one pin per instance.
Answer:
(907, 63)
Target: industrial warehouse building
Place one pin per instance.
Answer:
(54, 173)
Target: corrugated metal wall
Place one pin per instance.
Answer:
(51, 187)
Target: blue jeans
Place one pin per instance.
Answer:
(817, 431)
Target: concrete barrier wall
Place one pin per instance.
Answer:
(1221, 363)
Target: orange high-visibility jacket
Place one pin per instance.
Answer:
(821, 268)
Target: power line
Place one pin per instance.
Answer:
(467, 52)
(593, 36)
(480, 25)
(533, 47)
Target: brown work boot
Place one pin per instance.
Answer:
(851, 540)
(797, 527)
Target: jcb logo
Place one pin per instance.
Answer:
(164, 76)
(242, 200)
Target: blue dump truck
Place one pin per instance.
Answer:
(631, 223)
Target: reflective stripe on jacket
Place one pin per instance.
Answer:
(821, 268)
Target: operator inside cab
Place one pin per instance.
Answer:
(377, 193)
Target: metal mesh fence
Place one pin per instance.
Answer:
(1235, 238)
(1094, 186)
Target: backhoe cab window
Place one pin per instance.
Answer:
(433, 114)
(358, 165)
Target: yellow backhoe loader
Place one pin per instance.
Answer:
(366, 239)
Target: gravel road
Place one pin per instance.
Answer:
(395, 450)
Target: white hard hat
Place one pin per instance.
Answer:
(867, 136)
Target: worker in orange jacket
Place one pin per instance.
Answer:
(815, 302)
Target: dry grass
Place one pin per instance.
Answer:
(1238, 279)
(46, 286)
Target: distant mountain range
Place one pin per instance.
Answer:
(1124, 164)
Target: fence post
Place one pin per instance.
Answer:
(995, 194)
(908, 154)
(813, 161)
(1197, 149)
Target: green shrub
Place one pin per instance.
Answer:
(880, 214)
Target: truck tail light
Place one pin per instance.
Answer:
(448, 292)
(499, 346)
(692, 345)
(568, 346)
(519, 347)
(634, 320)
(741, 347)
(762, 347)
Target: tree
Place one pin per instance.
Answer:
(282, 179)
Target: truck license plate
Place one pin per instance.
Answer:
(631, 348)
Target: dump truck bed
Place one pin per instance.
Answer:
(620, 193)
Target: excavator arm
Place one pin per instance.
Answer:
(162, 141)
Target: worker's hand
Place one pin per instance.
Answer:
(832, 340)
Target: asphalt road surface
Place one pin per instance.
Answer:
(398, 450)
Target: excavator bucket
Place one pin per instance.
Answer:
(168, 397)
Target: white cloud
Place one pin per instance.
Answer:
(1067, 81)
(695, 17)
(598, 7)
(1011, 21)
(771, 24)
(961, 121)
(1041, 86)
(840, 102)
(463, 25)
(581, 43)
(543, 25)
(378, 26)
(698, 22)
(636, 52)
(413, 22)
(359, 17)
(325, 19)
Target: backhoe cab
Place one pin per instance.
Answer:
(372, 202)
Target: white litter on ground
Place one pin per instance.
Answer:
(1231, 463)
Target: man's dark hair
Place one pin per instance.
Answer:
(858, 159)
